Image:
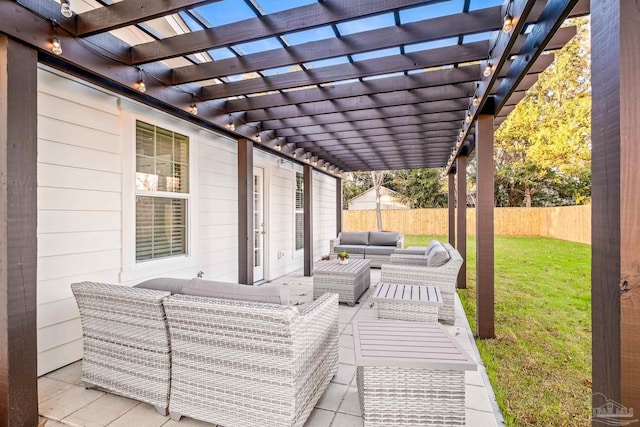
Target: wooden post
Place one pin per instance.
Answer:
(461, 223)
(18, 238)
(615, 271)
(484, 227)
(245, 212)
(338, 205)
(308, 220)
(452, 208)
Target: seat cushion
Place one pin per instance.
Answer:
(169, 284)
(350, 249)
(208, 288)
(354, 238)
(437, 257)
(379, 250)
(383, 238)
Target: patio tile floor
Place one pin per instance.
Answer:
(65, 403)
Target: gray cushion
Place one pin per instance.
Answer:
(383, 238)
(379, 250)
(432, 244)
(168, 284)
(437, 257)
(350, 249)
(354, 238)
(208, 288)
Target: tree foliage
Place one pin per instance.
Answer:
(543, 150)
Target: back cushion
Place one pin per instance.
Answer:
(208, 288)
(168, 284)
(354, 238)
(432, 244)
(382, 238)
(437, 257)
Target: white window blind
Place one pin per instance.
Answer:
(162, 192)
(299, 211)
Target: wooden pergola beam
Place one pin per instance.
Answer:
(386, 138)
(478, 21)
(451, 207)
(129, 12)
(245, 212)
(361, 69)
(299, 18)
(308, 220)
(461, 218)
(442, 143)
(371, 132)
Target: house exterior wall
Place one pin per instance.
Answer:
(86, 206)
(324, 213)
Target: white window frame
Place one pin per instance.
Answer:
(133, 270)
(296, 211)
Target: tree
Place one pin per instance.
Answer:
(376, 180)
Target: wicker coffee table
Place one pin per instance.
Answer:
(349, 281)
(407, 302)
(409, 374)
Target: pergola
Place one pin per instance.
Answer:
(424, 86)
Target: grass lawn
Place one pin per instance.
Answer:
(539, 363)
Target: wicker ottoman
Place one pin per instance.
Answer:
(407, 302)
(349, 281)
(409, 374)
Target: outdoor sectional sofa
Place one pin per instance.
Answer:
(376, 246)
(212, 351)
(411, 267)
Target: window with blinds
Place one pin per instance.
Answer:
(162, 192)
(299, 219)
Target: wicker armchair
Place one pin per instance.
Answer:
(412, 269)
(242, 364)
(125, 342)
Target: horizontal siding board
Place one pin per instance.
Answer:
(64, 221)
(55, 153)
(78, 200)
(76, 243)
(71, 112)
(75, 178)
(57, 312)
(76, 264)
(60, 288)
(59, 334)
(57, 357)
(53, 130)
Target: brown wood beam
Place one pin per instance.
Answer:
(384, 136)
(487, 19)
(308, 220)
(484, 227)
(375, 127)
(452, 207)
(368, 102)
(129, 12)
(18, 238)
(463, 74)
(291, 20)
(439, 143)
(615, 278)
(245, 212)
(461, 218)
(366, 68)
(338, 206)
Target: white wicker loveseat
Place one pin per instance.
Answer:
(250, 364)
(410, 268)
(376, 246)
(125, 342)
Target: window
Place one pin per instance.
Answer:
(162, 192)
(299, 211)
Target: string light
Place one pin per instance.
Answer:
(468, 118)
(488, 69)
(65, 8)
(56, 46)
(231, 126)
(315, 161)
(507, 26)
(258, 138)
(194, 108)
(278, 147)
(141, 86)
(476, 101)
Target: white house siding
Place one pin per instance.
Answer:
(324, 213)
(79, 207)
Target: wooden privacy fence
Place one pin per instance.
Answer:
(571, 223)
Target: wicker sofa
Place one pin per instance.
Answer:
(223, 353)
(411, 268)
(376, 246)
(125, 342)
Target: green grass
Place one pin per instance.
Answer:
(539, 363)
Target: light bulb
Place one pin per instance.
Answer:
(258, 138)
(476, 101)
(141, 86)
(65, 8)
(326, 166)
(193, 109)
(56, 46)
(468, 118)
(507, 26)
(278, 147)
(488, 69)
(231, 126)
